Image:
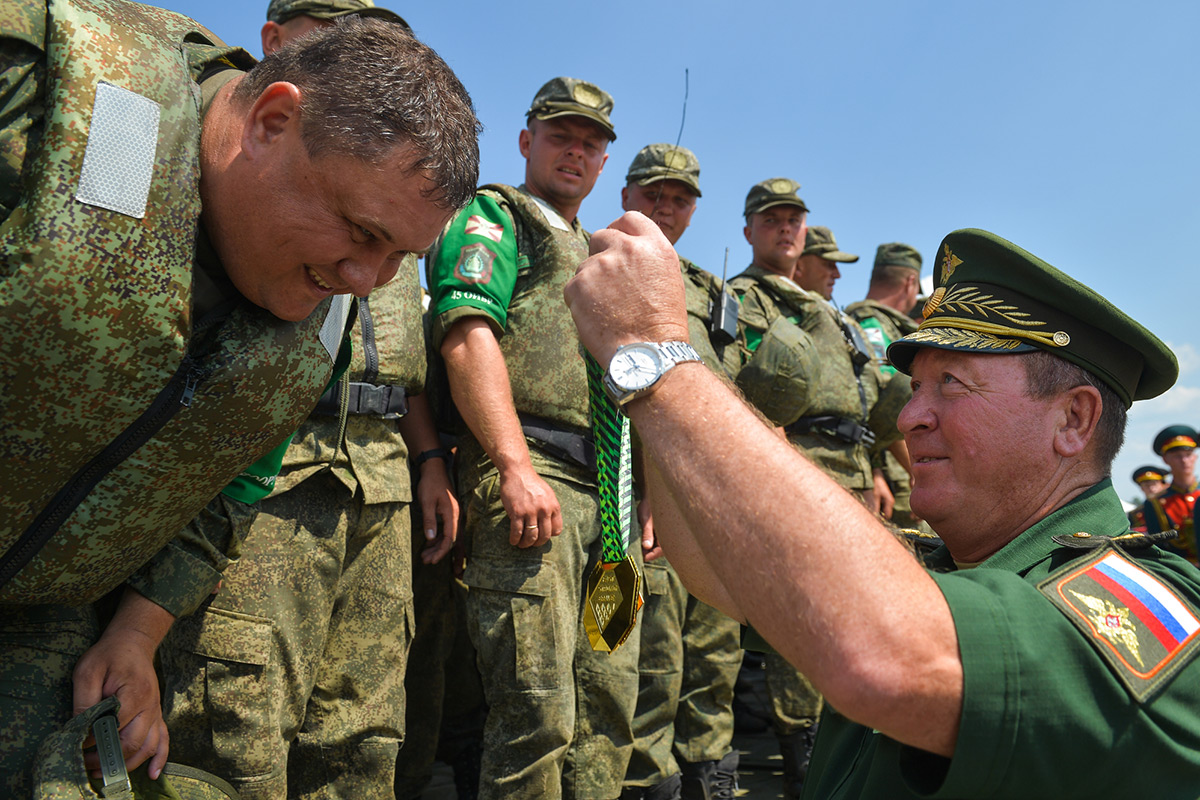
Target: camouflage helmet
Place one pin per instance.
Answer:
(280, 11)
(59, 772)
(662, 162)
(570, 97)
(773, 192)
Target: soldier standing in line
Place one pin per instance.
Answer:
(690, 652)
(321, 599)
(559, 720)
(831, 418)
(1152, 480)
(1174, 506)
(884, 317)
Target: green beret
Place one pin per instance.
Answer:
(568, 97)
(663, 162)
(895, 254)
(773, 192)
(281, 11)
(820, 242)
(1150, 473)
(994, 297)
(1174, 437)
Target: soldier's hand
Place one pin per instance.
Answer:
(121, 663)
(439, 511)
(533, 510)
(629, 290)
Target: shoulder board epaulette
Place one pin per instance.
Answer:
(1129, 541)
(1139, 624)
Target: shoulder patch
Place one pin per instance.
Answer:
(1139, 624)
(474, 263)
(478, 226)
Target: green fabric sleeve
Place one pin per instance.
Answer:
(475, 266)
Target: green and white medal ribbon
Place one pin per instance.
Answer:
(614, 590)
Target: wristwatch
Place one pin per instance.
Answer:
(636, 368)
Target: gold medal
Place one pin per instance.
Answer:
(614, 597)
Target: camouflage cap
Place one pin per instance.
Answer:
(1175, 436)
(773, 192)
(820, 242)
(282, 10)
(663, 162)
(896, 254)
(994, 297)
(1150, 473)
(570, 97)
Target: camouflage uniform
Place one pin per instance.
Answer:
(169, 312)
(559, 712)
(319, 606)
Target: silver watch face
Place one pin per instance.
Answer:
(635, 367)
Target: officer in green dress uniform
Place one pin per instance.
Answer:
(884, 317)
(1173, 507)
(1051, 649)
(326, 564)
(559, 720)
(690, 652)
(220, 329)
(1152, 480)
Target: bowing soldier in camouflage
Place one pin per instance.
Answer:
(884, 318)
(826, 411)
(1174, 506)
(690, 652)
(320, 603)
(559, 713)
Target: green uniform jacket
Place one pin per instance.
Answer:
(1072, 689)
(700, 290)
(105, 290)
(769, 299)
(883, 325)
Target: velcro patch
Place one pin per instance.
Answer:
(1140, 625)
(474, 263)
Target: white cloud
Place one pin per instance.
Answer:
(1188, 355)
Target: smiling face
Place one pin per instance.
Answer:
(670, 203)
(982, 449)
(292, 230)
(776, 237)
(817, 274)
(564, 157)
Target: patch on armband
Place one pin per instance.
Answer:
(474, 263)
(478, 226)
(1138, 623)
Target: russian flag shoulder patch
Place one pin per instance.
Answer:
(1141, 626)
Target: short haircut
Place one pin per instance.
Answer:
(890, 276)
(367, 86)
(1047, 375)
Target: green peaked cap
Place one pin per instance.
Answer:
(283, 10)
(1174, 436)
(994, 297)
(1150, 473)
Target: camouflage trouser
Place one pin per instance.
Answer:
(39, 646)
(290, 682)
(559, 720)
(795, 704)
(687, 668)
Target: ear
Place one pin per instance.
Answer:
(271, 116)
(1081, 407)
(272, 37)
(625, 198)
(746, 233)
(600, 171)
(524, 141)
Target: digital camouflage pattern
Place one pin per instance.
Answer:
(508, 257)
(290, 682)
(571, 97)
(559, 712)
(689, 660)
(90, 336)
(883, 325)
(346, 501)
(766, 298)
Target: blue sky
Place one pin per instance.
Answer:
(1069, 128)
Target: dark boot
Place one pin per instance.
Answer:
(796, 749)
(667, 790)
(466, 766)
(710, 780)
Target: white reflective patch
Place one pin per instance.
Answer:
(335, 324)
(553, 217)
(119, 161)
